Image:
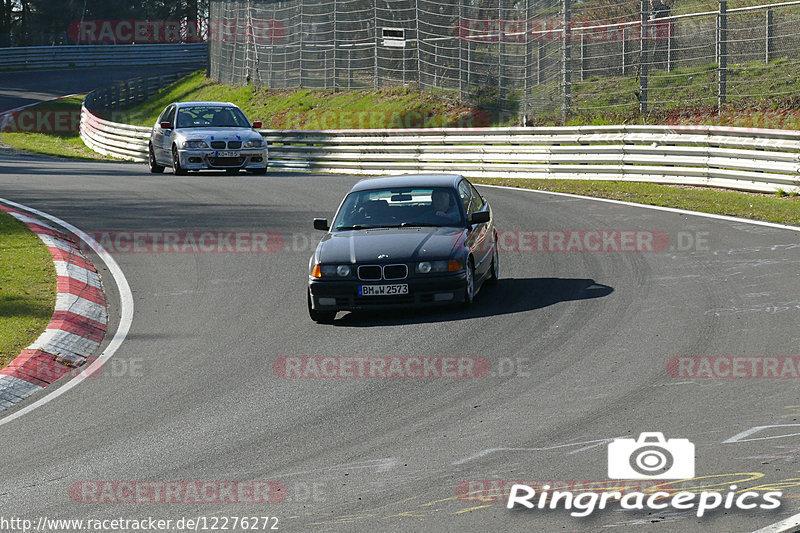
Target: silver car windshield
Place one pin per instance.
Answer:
(439, 206)
(211, 117)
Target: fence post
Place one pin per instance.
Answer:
(462, 52)
(301, 44)
(769, 44)
(723, 54)
(540, 60)
(566, 56)
(643, 59)
(501, 48)
(350, 68)
(377, 82)
(583, 56)
(670, 27)
(335, 45)
(625, 50)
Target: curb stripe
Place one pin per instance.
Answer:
(73, 271)
(76, 328)
(79, 288)
(80, 306)
(71, 258)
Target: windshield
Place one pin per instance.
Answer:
(435, 206)
(211, 117)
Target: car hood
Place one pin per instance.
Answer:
(400, 244)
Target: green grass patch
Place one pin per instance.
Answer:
(396, 107)
(769, 207)
(57, 122)
(27, 287)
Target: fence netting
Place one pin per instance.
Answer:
(541, 59)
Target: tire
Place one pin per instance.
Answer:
(231, 171)
(176, 163)
(155, 168)
(320, 317)
(495, 272)
(469, 290)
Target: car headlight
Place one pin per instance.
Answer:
(255, 143)
(428, 267)
(195, 144)
(331, 271)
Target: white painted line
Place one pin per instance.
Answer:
(126, 313)
(655, 207)
(589, 445)
(80, 306)
(784, 526)
(79, 273)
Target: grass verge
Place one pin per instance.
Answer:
(57, 122)
(27, 287)
(783, 209)
(395, 107)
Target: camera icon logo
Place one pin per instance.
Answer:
(650, 457)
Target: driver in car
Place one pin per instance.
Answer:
(443, 207)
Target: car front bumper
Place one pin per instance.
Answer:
(336, 295)
(205, 159)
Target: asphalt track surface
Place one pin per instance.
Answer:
(578, 344)
(19, 88)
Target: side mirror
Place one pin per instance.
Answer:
(481, 217)
(166, 125)
(257, 125)
(321, 224)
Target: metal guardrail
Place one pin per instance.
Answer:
(736, 158)
(184, 54)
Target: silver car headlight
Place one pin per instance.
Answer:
(195, 144)
(255, 143)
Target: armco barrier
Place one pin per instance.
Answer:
(737, 158)
(194, 55)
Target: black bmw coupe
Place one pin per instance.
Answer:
(403, 241)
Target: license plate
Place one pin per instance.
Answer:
(227, 154)
(382, 290)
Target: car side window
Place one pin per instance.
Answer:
(466, 196)
(170, 115)
(477, 199)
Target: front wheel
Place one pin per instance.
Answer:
(176, 163)
(320, 317)
(495, 272)
(469, 290)
(155, 168)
